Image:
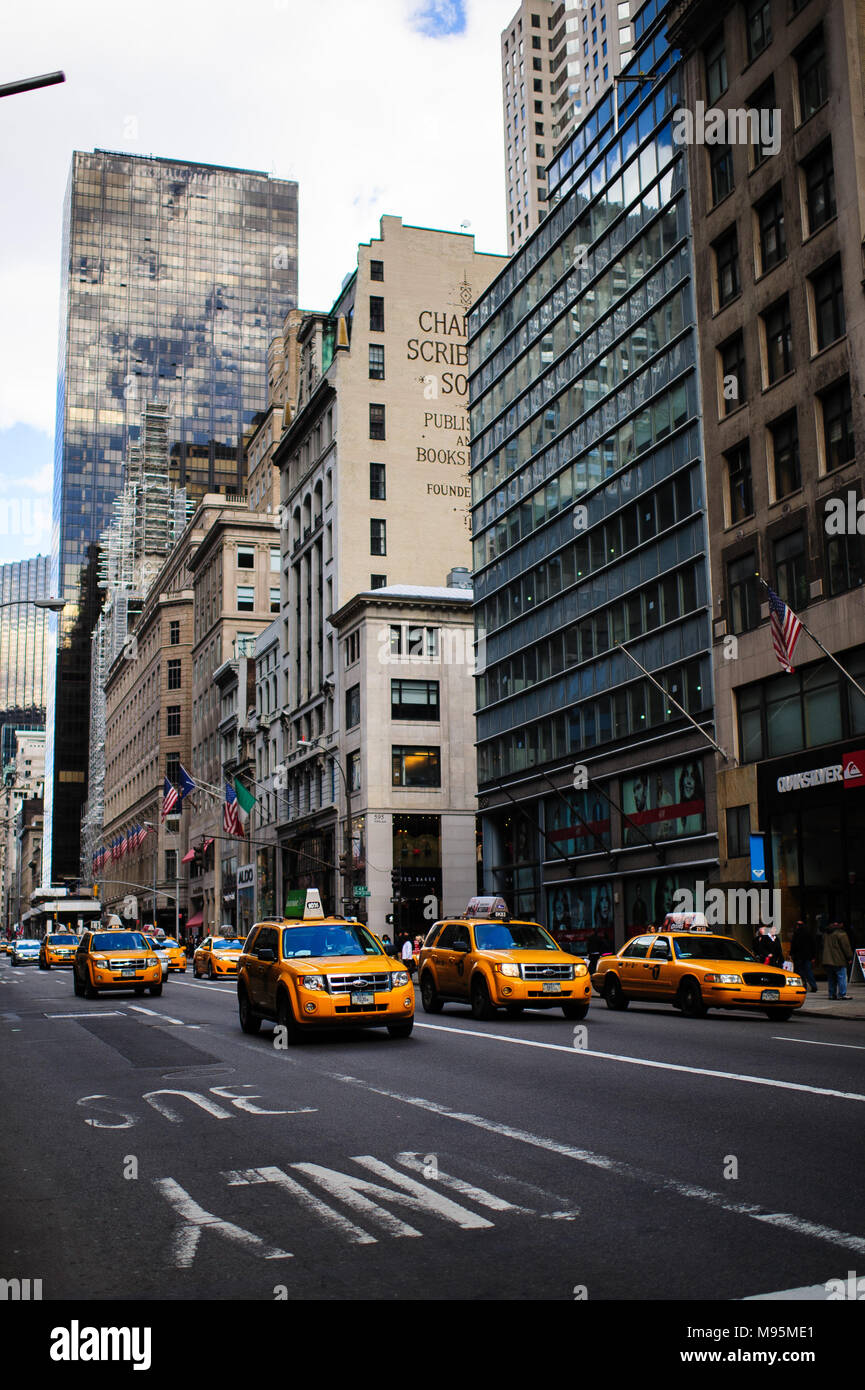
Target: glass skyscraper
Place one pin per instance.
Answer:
(24, 635)
(588, 517)
(175, 276)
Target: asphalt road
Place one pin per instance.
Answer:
(151, 1150)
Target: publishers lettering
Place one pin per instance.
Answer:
(76, 1343)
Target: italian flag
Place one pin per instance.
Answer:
(245, 801)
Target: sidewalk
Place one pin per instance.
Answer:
(822, 1006)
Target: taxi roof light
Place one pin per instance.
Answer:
(491, 906)
(686, 921)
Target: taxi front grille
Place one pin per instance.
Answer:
(753, 977)
(360, 1008)
(547, 972)
(123, 964)
(343, 984)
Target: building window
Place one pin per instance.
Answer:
(828, 291)
(721, 172)
(174, 634)
(726, 250)
(741, 494)
(246, 557)
(819, 175)
(377, 537)
(790, 565)
(172, 721)
(414, 700)
(245, 598)
(376, 270)
(715, 59)
(743, 596)
(787, 470)
(378, 581)
(770, 219)
(415, 767)
(423, 642)
(844, 562)
(275, 562)
(353, 771)
(274, 600)
(377, 482)
(396, 639)
(170, 864)
(837, 409)
(376, 313)
(813, 74)
(376, 422)
(763, 102)
(779, 341)
(738, 832)
(172, 768)
(733, 382)
(174, 674)
(352, 647)
(376, 362)
(758, 25)
(352, 706)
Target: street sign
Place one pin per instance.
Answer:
(360, 890)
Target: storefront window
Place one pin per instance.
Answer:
(822, 707)
(785, 853)
(784, 716)
(822, 846)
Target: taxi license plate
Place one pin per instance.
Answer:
(770, 994)
(550, 988)
(366, 997)
(125, 973)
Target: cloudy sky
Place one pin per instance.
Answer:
(374, 106)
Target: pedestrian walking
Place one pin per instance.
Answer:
(837, 955)
(803, 953)
(767, 948)
(407, 954)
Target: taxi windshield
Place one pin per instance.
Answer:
(119, 941)
(513, 936)
(62, 940)
(709, 948)
(221, 945)
(336, 939)
(169, 941)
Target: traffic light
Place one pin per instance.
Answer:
(396, 881)
(344, 864)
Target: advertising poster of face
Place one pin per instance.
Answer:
(581, 917)
(664, 804)
(580, 826)
(648, 900)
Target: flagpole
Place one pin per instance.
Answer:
(700, 730)
(818, 643)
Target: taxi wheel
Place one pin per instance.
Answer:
(249, 1022)
(155, 990)
(195, 974)
(575, 1010)
(614, 995)
(779, 1015)
(43, 965)
(514, 1010)
(139, 990)
(400, 1030)
(89, 991)
(482, 1009)
(210, 972)
(429, 996)
(76, 983)
(691, 1000)
(285, 1018)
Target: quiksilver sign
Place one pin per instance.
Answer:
(850, 772)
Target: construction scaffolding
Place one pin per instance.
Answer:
(148, 518)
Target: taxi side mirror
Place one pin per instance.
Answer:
(266, 953)
(461, 945)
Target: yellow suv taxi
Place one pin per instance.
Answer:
(695, 970)
(217, 956)
(491, 962)
(176, 953)
(58, 948)
(314, 972)
(115, 960)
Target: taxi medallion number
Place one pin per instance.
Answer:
(769, 995)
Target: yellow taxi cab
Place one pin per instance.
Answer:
(695, 969)
(115, 959)
(176, 953)
(490, 961)
(57, 948)
(216, 957)
(311, 971)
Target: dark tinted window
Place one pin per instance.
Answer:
(639, 947)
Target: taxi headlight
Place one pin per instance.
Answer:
(312, 981)
(399, 977)
(152, 960)
(509, 969)
(729, 979)
(579, 970)
(795, 981)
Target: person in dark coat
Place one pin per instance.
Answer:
(837, 955)
(767, 948)
(803, 953)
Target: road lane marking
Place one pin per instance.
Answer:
(106, 1013)
(211, 989)
(154, 1013)
(194, 1219)
(810, 1042)
(647, 1062)
(786, 1221)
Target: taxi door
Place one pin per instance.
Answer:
(634, 968)
(261, 974)
(662, 970)
(452, 965)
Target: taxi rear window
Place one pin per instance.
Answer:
(709, 948)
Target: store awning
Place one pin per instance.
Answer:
(197, 920)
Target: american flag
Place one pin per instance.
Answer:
(230, 818)
(170, 798)
(785, 630)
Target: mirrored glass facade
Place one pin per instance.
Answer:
(175, 276)
(24, 635)
(588, 491)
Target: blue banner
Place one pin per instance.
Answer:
(758, 859)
